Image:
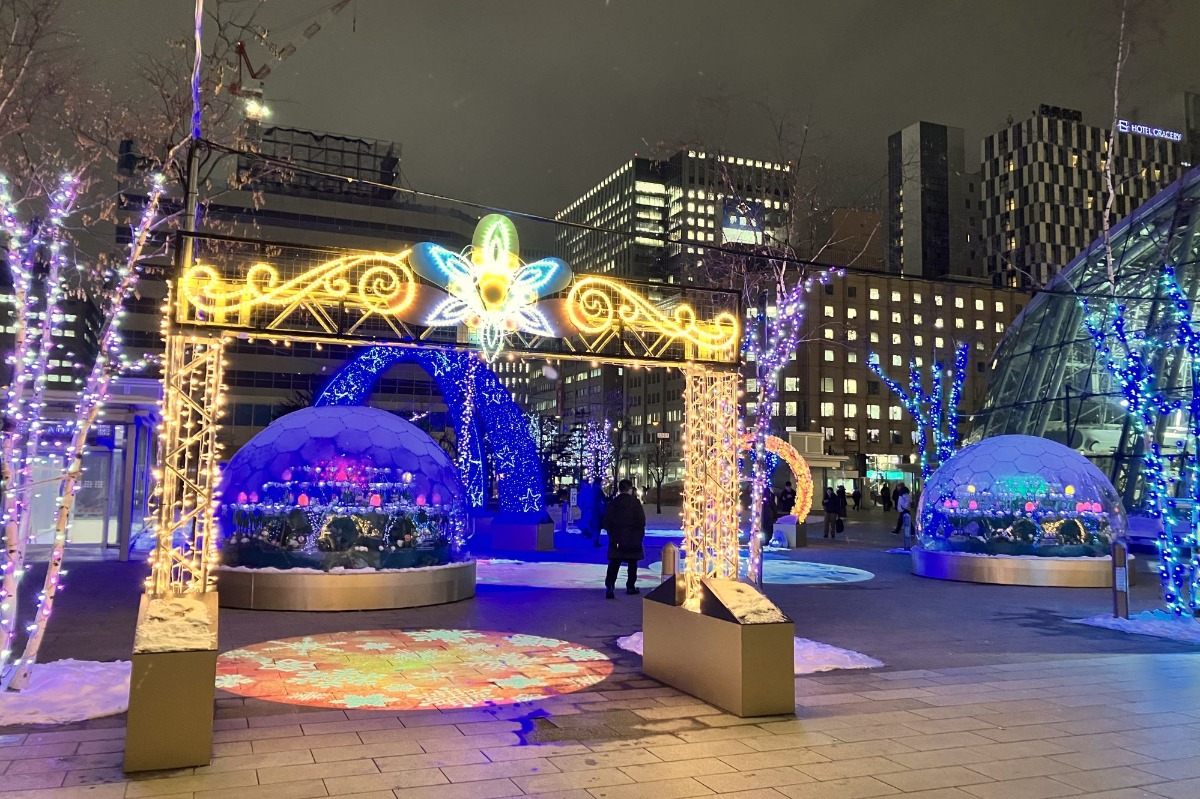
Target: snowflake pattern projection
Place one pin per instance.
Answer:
(405, 670)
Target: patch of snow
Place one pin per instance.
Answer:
(747, 605)
(808, 657)
(1158, 623)
(68, 690)
(179, 624)
(899, 551)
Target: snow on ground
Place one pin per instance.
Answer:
(68, 690)
(808, 657)
(747, 605)
(180, 624)
(1158, 623)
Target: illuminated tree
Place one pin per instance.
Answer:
(60, 135)
(1141, 354)
(936, 412)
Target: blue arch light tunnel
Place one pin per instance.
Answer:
(498, 426)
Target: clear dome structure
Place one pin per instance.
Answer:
(1019, 495)
(1047, 380)
(340, 487)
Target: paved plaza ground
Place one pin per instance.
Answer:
(988, 691)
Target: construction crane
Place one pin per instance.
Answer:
(255, 109)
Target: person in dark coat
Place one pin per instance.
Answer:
(769, 513)
(787, 499)
(886, 496)
(856, 495)
(841, 498)
(625, 521)
(829, 503)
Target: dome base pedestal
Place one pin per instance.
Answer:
(351, 590)
(1015, 570)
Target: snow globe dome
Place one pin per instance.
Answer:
(1019, 495)
(340, 488)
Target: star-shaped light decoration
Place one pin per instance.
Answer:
(490, 290)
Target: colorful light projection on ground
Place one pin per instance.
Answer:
(411, 669)
(500, 429)
(491, 291)
(800, 472)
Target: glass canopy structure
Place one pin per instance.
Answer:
(1047, 379)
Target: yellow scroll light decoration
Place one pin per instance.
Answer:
(380, 282)
(596, 304)
(800, 471)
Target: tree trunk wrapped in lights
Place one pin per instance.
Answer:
(1137, 360)
(26, 404)
(935, 413)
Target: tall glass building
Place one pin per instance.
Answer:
(1047, 379)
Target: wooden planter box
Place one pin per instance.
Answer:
(171, 698)
(745, 669)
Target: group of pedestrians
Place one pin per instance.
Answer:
(834, 504)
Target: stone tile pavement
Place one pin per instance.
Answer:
(1108, 727)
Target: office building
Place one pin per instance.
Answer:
(1044, 189)
(932, 204)
(829, 388)
(265, 378)
(692, 199)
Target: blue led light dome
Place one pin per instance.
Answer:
(1019, 495)
(340, 487)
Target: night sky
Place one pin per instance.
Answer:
(525, 104)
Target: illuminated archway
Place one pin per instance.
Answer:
(497, 423)
(800, 471)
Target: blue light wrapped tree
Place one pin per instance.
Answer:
(1140, 361)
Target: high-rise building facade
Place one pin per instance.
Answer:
(266, 377)
(691, 200)
(932, 204)
(1044, 189)
(668, 213)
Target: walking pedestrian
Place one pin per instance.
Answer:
(625, 521)
(829, 503)
(857, 497)
(841, 495)
(886, 496)
(902, 504)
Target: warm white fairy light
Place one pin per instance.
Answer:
(23, 446)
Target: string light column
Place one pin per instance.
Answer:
(710, 485)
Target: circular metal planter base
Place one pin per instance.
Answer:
(1015, 570)
(349, 590)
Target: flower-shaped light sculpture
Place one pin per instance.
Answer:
(490, 290)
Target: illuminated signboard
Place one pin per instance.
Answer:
(742, 222)
(1125, 126)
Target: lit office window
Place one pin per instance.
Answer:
(850, 385)
(827, 385)
(826, 409)
(850, 410)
